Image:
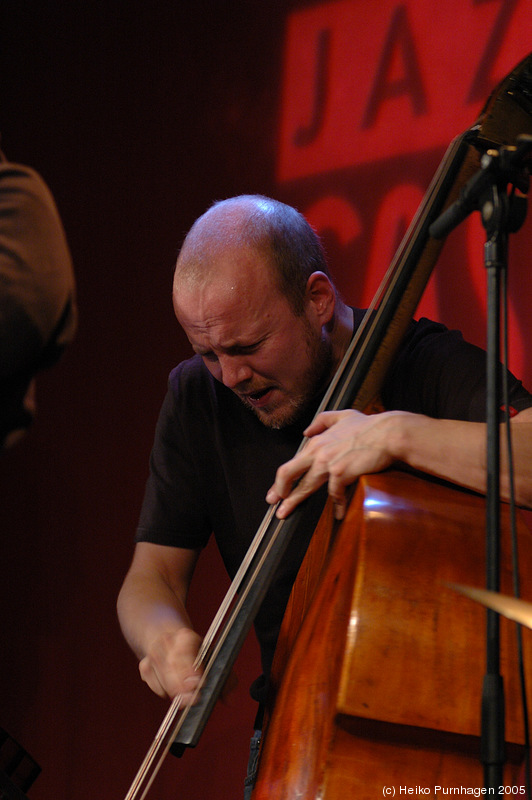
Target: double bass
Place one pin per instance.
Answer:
(376, 674)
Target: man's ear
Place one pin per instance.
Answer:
(320, 297)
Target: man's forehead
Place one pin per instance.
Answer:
(227, 323)
(214, 302)
(224, 265)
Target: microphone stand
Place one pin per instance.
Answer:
(502, 212)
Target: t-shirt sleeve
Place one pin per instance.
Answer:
(172, 511)
(439, 374)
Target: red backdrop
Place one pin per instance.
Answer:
(139, 115)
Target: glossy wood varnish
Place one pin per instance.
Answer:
(378, 673)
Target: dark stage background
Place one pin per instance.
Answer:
(139, 115)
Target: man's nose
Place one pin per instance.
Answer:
(235, 371)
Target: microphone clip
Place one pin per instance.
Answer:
(487, 191)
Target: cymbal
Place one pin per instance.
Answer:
(511, 607)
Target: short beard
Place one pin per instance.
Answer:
(321, 364)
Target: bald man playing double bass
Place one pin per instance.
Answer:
(254, 296)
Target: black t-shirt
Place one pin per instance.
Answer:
(213, 461)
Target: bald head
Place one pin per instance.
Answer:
(252, 225)
(252, 294)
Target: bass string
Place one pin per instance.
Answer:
(213, 640)
(387, 285)
(208, 653)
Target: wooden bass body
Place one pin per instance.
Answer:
(378, 673)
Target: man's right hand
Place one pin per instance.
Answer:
(168, 666)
